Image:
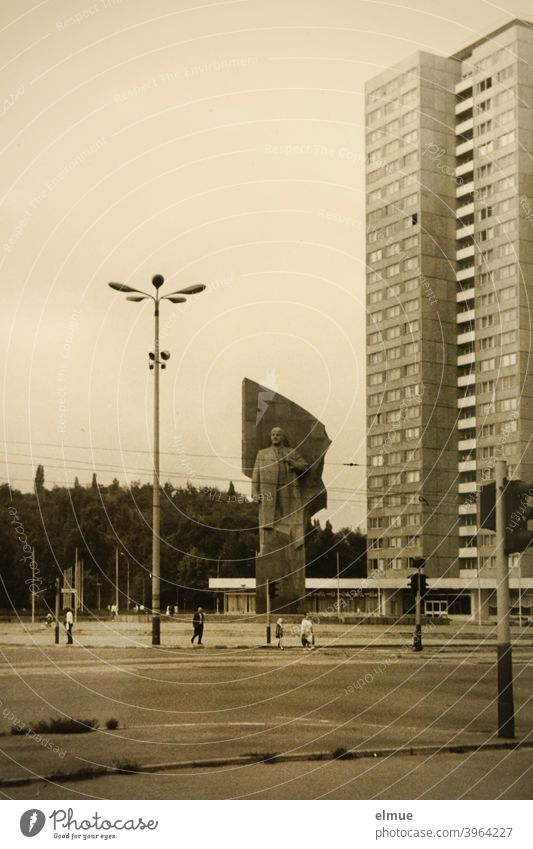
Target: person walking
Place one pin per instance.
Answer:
(279, 633)
(198, 625)
(69, 624)
(306, 633)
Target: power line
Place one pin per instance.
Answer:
(144, 451)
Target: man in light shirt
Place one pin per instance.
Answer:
(69, 624)
(306, 633)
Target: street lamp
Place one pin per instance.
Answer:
(127, 580)
(157, 361)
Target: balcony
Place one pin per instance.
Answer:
(466, 424)
(464, 211)
(467, 530)
(469, 336)
(467, 509)
(465, 274)
(466, 359)
(464, 105)
(465, 232)
(464, 253)
(464, 147)
(466, 380)
(467, 315)
(464, 127)
(467, 444)
(467, 401)
(465, 295)
(464, 188)
(467, 466)
(468, 552)
(464, 85)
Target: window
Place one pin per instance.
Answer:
(484, 127)
(393, 312)
(375, 256)
(394, 374)
(507, 138)
(377, 460)
(410, 200)
(395, 458)
(375, 297)
(375, 379)
(393, 290)
(410, 349)
(393, 395)
(374, 359)
(411, 369)
(412, 433)
(374, 400)
(412, 476)
(392, 270)
(507, 271)
(375, 317)
(410, 264)
(411, 138)
(485, 84)
(508, 315)
(508, 294)
(374, 338)
(410, 242)
(485, 148)
(487, 365)
(392, 332)
(412, 306)
(394, 353)
(393, 249)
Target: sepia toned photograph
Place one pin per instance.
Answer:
(266, 479)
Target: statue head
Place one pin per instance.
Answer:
(278, 436)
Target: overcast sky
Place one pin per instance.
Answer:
(217, 142)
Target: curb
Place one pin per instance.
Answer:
(272, 758)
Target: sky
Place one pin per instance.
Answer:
(213, 142)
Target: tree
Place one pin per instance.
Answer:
(39, 479)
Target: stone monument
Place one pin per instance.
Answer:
(283, 449)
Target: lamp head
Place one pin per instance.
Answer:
(158, 280)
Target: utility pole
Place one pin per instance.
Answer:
(338, 587)
(33, 586)
(504, 656)
(116, 576)
(268, 634)
(57, 612)
(417, 642)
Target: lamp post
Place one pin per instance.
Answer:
(127, 580)
(157, 360)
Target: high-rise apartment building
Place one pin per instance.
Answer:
(449, 307)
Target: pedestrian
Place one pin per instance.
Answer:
(114, 611)
(279, 633)
(49, 620)
(306, 633)
(69, 624)
(198, 625)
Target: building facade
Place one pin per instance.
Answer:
(449, 293)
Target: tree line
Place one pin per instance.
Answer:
(205, 532)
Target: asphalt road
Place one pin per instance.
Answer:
(176, 705)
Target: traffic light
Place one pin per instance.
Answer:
(518, 512)
(487, 507)
(273, 589)
(418, 579)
